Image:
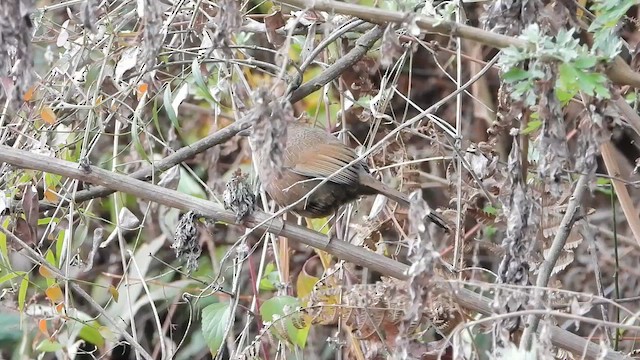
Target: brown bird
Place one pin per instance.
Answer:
(310, 156)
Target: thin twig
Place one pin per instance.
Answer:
(620, 72)
(150, 172)
(334, 70)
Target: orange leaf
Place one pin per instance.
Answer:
(60, 308)
(42, 326)
(48, 115)
(29, 94)
(142, 89)
(54, 293)
(45, 272)
(50, 195)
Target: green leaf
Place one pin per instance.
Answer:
(305, 284)
(49, 346)
(516, 74)
(154, 117)
(22, 293)
(201, 83)
(215, 319)
(288, 323)
(585, 62)
(490, 210)
(168, 107)
(91, 333)
(51, 259)
(490, 231)
(532, 125)
(271, 278)
(135, 135)
(188, 185)
(10, 276)
(603, 185)
(4, 250)
(567, 78)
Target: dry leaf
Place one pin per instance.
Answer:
(273, 22)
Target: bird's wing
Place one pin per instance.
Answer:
(325, 159)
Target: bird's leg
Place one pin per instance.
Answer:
(341, 217)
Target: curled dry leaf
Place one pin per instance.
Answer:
(16, 55)
(171, 178)
(225, 23)
(273, 22)
(128, 221)
(391, 49)
(153, 35)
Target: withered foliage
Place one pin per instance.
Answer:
(384, 309)
(269, 131)
(16, 51)
(123, 84)
(239, 196)
(186, 242)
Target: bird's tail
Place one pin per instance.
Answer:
(378, 187)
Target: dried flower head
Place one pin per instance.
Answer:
(238, 196)
(186, 243)
(269, 132)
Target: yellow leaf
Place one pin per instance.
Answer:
(114, 292)
(48, 115)
(54, 293)
(305, 284)
(45, 272)
(50, 195)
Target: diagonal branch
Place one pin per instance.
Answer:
(620, 188)
(341, 249)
